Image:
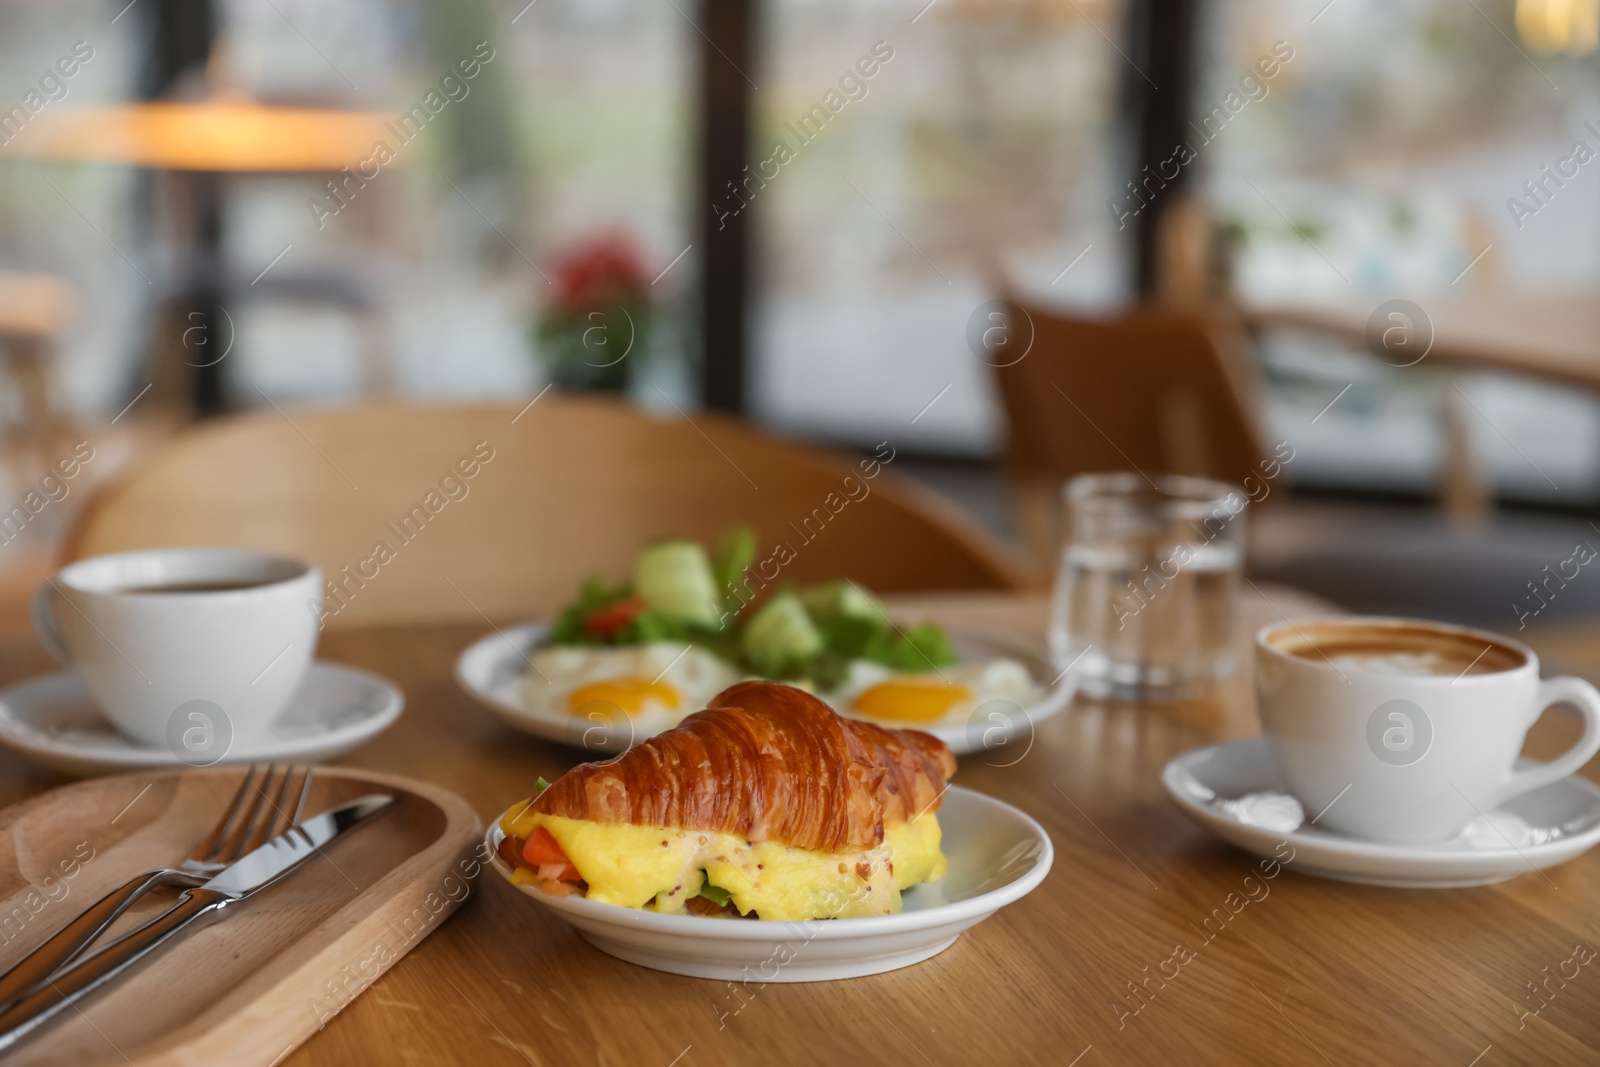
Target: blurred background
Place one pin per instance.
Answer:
(1349, 249)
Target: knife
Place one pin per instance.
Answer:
(249, 875)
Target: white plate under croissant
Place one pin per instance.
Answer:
(768, 835)
(996, 856)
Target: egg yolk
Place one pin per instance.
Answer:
(628, 694)
(907, 700)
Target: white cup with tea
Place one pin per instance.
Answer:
(194, 649)
(1405, 731)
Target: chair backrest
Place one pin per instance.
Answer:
(1157, 391)
(35, 311)
(449, 513)
(34, 306)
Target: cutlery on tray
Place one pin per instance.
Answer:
(236, 860)
(249, 821)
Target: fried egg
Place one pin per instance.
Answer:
(638, 689)
(945, 697)
(660, 868)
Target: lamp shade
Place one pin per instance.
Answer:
(212, 136)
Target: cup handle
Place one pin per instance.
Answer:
(1586, 699)
(42, 606)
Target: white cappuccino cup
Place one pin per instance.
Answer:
(1405, 731)
(198, 650)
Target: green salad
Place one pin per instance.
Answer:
(679, 592)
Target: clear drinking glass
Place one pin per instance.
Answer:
(1146, 598)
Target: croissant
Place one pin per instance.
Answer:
(765, 762)
(766, 776)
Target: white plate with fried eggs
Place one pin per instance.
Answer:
(607, 698)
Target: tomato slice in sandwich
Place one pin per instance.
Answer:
(543, 851)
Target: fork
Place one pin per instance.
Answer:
(245, 825)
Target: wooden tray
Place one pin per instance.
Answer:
(257, 982)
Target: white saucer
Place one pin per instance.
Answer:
(1235, 790)
(997, 855)
(491, 670)
(55, 721)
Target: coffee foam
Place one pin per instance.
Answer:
(1401, 649)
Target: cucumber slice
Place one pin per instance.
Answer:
(674, 578)
(780, 634)
(832, 601)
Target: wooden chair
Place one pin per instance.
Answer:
(35, 310)
(563, 488)
(1155, 390)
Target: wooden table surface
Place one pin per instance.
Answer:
(1555, 336)
(1313, 972)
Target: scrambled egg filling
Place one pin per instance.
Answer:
(662, 868)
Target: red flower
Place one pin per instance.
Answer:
(603, 270)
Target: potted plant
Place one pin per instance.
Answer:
(595, 331)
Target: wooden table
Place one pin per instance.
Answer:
(1550, 336)
(1315, 972)
(1555, 337)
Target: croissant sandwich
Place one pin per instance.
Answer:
(765, 805)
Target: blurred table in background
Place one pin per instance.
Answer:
(1553, 337)
(206, 140)
(1550, 336)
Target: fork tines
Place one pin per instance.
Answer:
(256, 815)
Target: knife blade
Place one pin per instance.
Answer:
(255, 871)
(259, 869)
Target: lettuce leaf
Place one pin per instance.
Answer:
(915, 650)
(716, 894)
(736, 550)
(921, 648)
(594, 595)
(850, 621)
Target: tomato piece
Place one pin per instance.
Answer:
(607, 622)
(544, 852)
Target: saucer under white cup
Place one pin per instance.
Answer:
(1407, 757)
(55, 721)
(174, 667)
(1236, 791)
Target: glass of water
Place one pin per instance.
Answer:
(1146, 599)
